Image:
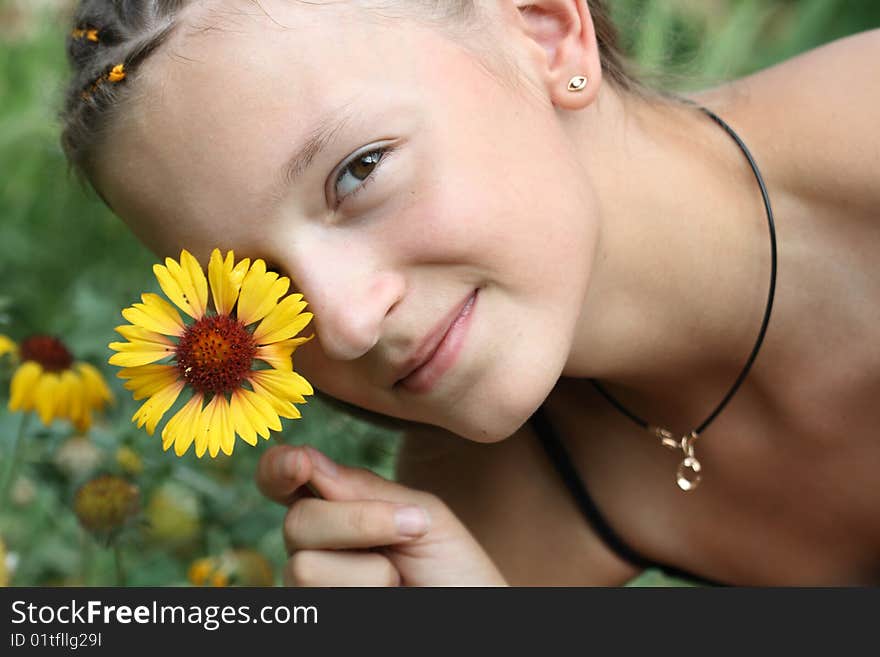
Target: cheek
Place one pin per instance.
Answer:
(536, 243)
(536, 251)
(339, 379)
(327, 375)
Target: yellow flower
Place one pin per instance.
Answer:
(215, 354)
(243, 567)
(50, 382)
(200, 571)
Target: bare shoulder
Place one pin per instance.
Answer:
(813, 120)
(509, 497)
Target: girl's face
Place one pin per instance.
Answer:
(430, 181)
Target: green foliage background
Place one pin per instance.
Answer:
(68, 266)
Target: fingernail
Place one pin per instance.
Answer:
(290, 465)
(322, 463)
(411, 521)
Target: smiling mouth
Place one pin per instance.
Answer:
(439, 353)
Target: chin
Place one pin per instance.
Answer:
(497, 414)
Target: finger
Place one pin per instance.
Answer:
(337, 482)
(339, 568)
(315, 524)
(282, 473)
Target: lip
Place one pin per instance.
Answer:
(439, 350)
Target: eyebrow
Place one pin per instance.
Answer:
(316, 141)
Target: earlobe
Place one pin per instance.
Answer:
(570, 68)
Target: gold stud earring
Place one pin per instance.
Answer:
(577, 83)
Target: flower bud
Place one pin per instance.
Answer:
(129, 460)
(78, 457)
(174, 516)
(104, 504)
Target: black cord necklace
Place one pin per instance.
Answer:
(689, 474)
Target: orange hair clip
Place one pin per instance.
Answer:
(88, 34)
(116, 74)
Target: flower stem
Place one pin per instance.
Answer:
(87, 558)
(120, 570)
(14, 460)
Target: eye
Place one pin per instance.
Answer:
(357, 173)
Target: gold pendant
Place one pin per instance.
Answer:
(689, 473)
(688, 476)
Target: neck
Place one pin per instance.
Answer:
(680, 284)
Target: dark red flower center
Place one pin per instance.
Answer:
(215, 354)
(49, 352)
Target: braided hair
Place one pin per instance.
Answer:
(109, 40)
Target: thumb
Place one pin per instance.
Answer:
(337, 482)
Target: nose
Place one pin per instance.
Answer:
(350, 297)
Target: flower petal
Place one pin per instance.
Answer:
(280, 406)
(148, 380)
(23, 386)
(143, 346)
(134, 354)
(263, 408)
(45, 397)
(279, 355)
(260, 291)
(259, 418)
(241, 416)
(155, 314)
(7, 346)
(197, 276)
(285, 385)
(152, 410)
(226, 280)
(97, 392)
(172, 287)
(73, 391)
(138, 334)
(225, 434)
(184, 283)
(62, 395)
(284, 321)
(204, 439)
(182, 428)
(201, 436)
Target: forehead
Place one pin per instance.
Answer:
(237, 86)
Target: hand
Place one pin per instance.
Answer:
(367, 530)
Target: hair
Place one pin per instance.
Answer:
(107, 33)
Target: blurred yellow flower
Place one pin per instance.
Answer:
(214, 355)
(200, 570)
(243, 567)
(50, 382)
(104, 504)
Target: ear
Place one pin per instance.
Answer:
(565, 46)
